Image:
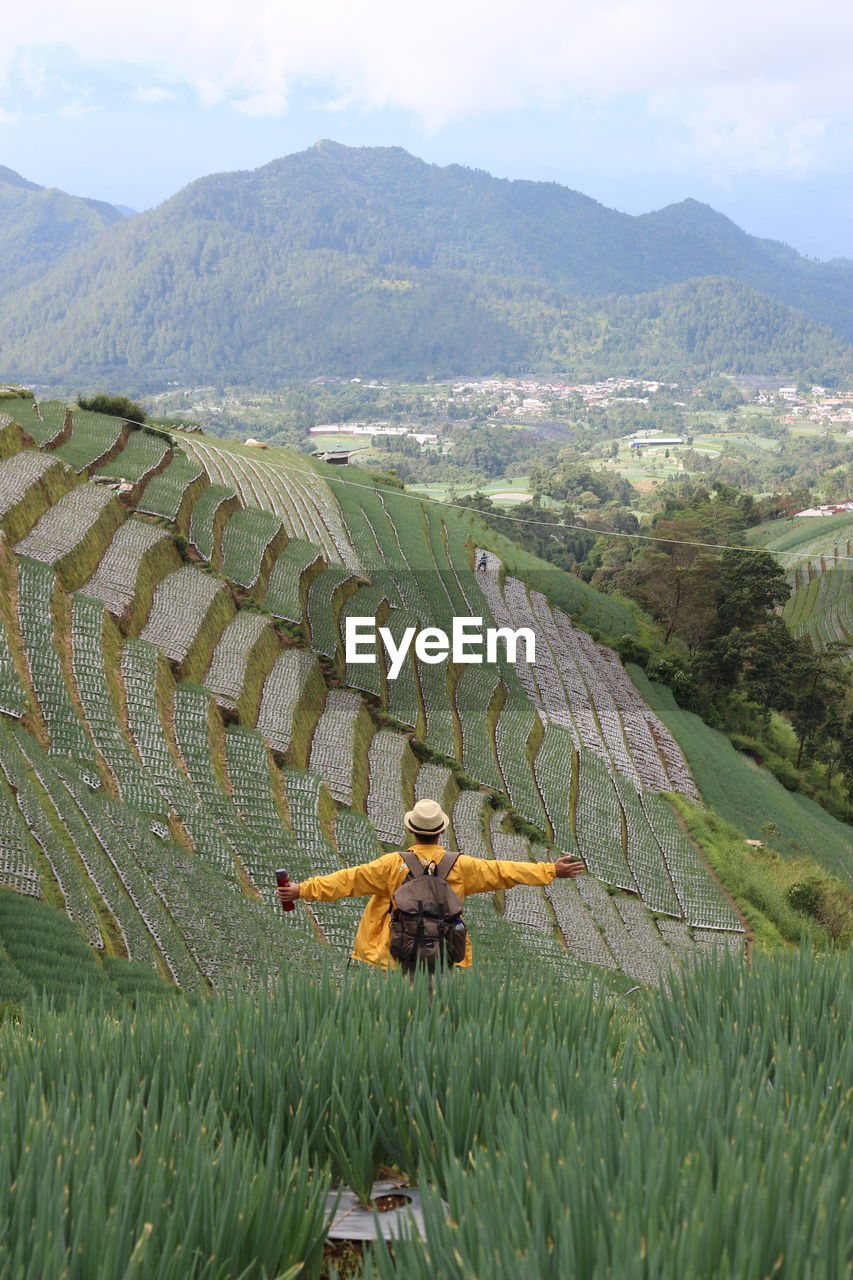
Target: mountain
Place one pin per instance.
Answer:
(710, 243)
(39, 226)
(344, 260)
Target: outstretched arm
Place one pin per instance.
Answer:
(350, 882)
(484, 876)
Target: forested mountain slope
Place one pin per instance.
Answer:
(350, 260)
(39, 226)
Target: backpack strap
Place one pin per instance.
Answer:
(448, 862)
(413, 862)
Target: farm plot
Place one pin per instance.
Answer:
(583, 688)
(143, 454)
(404, 693)
(43, 420)
(238, 943)
(678, 936)
(703, 903)
(13, 695)
(29, 482)
(516, 732)
(378, 545)
(297, 496)
(390, 794)
(183, 602)
(296, 567)
(19, 473)
(469, 821)
(238, 652)
(250, 542)
(656, 769)
(581, 934)
(325, 599)
(366, 602)
(435, 782)
(85, 512)
(119, 852)
(46, 827)
(210, 512)
(333, 744)
(90, 675)
(634, 956)
(524, 904)
(823, 609)
(115, 580)
(504, 611)
(553, 771)
(648, 939)
(93, 437)
(598, 822)
(142, 674)
(36, 583)
(644, 853)
(356, 838)
(18, 866)
(577, 648)
(254, 781)
(283, 690)
(195, 716)
(165, 493)
(317, 857)
(476, 693)
(527, 912)
(718, 944)
(53, 777)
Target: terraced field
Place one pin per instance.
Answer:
(823, 608)
(168, 745)
(820, 541)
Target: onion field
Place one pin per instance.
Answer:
(700, 1131)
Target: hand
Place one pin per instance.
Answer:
(288, 892)
(567, 868)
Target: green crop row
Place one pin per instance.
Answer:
(569, 1135)
(92, 436)
(823, 608)
(43, 420)
(250, 542)
(140, 455)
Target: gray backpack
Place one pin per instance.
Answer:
(426, 917)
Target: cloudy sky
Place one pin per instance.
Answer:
(638, 103)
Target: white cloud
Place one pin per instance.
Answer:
(261, 104)
(153, 94)
(745, 84)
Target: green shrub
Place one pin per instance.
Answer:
(115, 406)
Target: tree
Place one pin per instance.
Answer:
(678, 582)
(752, 585)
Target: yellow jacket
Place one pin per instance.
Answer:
(382, 877)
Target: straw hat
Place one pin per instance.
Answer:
(426, 819)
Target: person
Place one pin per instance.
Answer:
(383, 876)
(482, 563)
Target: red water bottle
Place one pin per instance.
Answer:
(281, 877)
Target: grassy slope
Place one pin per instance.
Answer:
(746, 795)
(608, 615)
(804, 539)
